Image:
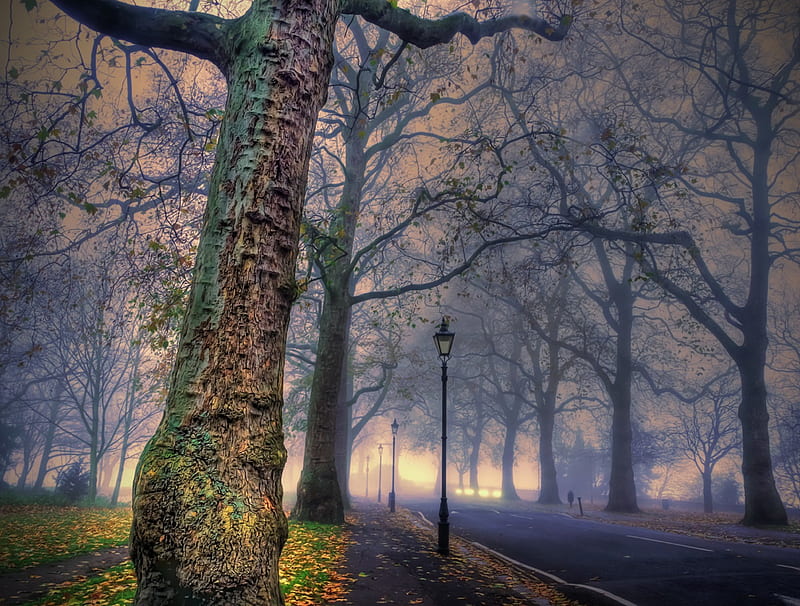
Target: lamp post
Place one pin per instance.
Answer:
(395, 427)
(444, 344)
(380, 470)
(366, 480)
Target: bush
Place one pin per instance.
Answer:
(72, 482)
(727, 492)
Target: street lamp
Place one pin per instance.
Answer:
(380, 470)
(444, 344)
(366, 480)
(395, 427)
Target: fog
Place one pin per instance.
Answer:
(596, 237)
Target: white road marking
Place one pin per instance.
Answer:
(789, 567)
(631, 536)
(555, 579)
(789, 601)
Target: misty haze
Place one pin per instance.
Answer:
(418, 302)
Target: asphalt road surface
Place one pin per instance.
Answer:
(602, 563)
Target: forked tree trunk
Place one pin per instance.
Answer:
(762, 503)
(50, 434)
(208, 522)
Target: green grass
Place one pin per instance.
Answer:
(36, 534)
(115, 587)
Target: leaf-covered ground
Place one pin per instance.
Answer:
(312, 568)
(34, 534)
(469, 564)
(29, 535)
(393, 559)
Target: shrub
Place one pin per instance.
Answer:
(73, 482)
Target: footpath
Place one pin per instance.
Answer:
(393, 560)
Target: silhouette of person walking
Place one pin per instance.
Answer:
(570, 498)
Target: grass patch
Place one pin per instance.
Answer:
(35, 534)
(115, 587)
(308, 567)
(309, 563)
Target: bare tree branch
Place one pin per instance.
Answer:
(425, 33)
(198, 34)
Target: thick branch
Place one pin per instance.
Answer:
(425, 33)
(198, 34)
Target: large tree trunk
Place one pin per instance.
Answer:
(622, 488)
(344, 426)
(319, 497)
(708, 498)
(319, 491)
(208, 522)
(548, 493)
(762, 503)
(509, 445)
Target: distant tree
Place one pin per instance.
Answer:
(384, 94)
(787, 459)
(580, 466)
(723, 145)
(468, 420)
(503, 387)
(707, 430)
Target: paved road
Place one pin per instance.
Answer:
(630, 565)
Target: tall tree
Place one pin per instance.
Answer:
(382, 111)
(707, 430)
(208, 522)
(725, 140)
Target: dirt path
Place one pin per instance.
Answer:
(24, 585)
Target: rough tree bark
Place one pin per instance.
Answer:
(208, 520)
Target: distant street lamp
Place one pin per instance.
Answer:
(366, 480)
(380, 470)
(444, 344)
(395, 427)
